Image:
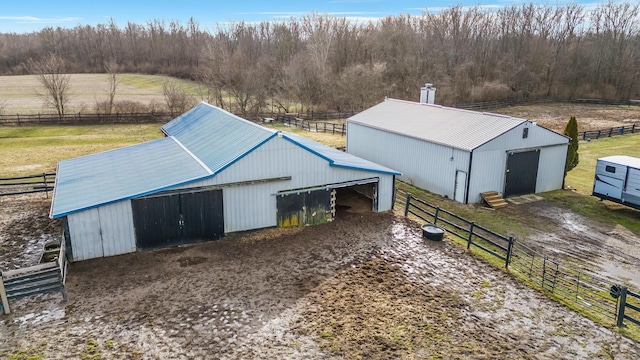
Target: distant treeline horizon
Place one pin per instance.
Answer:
(324, 62)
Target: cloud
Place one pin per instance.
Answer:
(37, 20)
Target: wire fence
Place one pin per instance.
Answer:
(595, 295)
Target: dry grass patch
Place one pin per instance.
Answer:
(555, 116)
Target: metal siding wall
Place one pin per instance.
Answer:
(429, 166)
(254, 206)
(487, 173)
(249, 207)
(84, 229)
(116, 221)
(512, 139)
(551, 168)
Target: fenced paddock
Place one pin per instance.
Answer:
(314, 126)
(592, 294)
(27, 184)
(33, 280)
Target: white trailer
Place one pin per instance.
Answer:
(618, 179)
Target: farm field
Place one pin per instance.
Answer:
(19, 93)
(363, 286)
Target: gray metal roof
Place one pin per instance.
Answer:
(215, 136)
(623, 160)
(462, 129)
(200, 143)
(336, 157)
(114, 175)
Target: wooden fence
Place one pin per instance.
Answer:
(314, 126)
(614, 131)
(43, 278)
(27, 184)
(586, 291)
(83, 119)
(134, 118)
(486, 105)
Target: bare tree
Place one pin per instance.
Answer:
(113, 79)
(177, 100)
(52, 75)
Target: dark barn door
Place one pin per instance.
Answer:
(304, 208)
(175, 219)
(522, 172)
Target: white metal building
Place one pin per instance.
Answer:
(214, 173)
(459, 153)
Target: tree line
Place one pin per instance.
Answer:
(324, 62)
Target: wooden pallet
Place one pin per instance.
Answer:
(493, 199)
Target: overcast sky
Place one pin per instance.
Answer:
(32, 15)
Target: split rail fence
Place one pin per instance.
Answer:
(43, 278)
(586, 291)
(27, 184)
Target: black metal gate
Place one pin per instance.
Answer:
(169, 220)
(522, 171)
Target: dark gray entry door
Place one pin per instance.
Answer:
(522, 172)
(175, 219)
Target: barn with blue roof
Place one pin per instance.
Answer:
(214, 173)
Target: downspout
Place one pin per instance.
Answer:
(466, 195)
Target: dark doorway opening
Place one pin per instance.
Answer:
(522, 172)
(169, 220)
(355, 199)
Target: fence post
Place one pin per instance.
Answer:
(544, 270)
(621, 305)
(406, 205)
(44, 180)
(435, 216)
(633, 128)
(470, 235)
(584, 135)
(3, 296)
(598, 136)
(509, 249)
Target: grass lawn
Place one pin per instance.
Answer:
(581, 177)
(34, 150)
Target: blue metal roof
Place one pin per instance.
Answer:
(215, 136)
(336, 157)
(201, 143)
(114, 175)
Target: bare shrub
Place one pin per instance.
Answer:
(178, 101)
(493, 90)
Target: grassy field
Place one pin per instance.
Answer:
(19, 94)
(34, 150)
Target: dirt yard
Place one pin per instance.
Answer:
(555, 116)
(364, 286)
